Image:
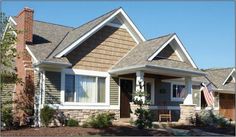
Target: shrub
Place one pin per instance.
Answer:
(208, 118)
(145, 118)
(7, 117)
(46, 115)
(101, 120)
(72, 123)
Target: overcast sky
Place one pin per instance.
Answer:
(205, 28)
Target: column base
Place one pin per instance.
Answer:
(187, 112)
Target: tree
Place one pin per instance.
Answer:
(7, 72)
(144, 116)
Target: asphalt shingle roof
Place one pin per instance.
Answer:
(139, 56)
(218, 76)
(49, 39)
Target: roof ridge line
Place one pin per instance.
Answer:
(161, 36)
(54, 23)
(57, 45)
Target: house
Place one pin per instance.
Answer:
(223, 81)
(97, 67)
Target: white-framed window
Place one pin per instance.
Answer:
(81, 87)
(85, 89)
(178, 92)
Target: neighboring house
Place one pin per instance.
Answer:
(98, 66)
(223, 81)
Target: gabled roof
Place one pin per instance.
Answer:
(78, 35)
(217, 77)
(140, 55)
(46, 37)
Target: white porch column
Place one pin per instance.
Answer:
(140, 80)
(188, 87)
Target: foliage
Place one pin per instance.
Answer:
(72, 123)
(7, 117)
(144, 117)
(46, 115)
(101, 120)
(208, 118)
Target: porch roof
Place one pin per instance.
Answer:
(158, 69)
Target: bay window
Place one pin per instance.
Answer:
(85, 89)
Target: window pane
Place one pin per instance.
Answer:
(148, 90)
(101, 90)
(181, 91)
(87, 92)
(69, 88)
(174, 90)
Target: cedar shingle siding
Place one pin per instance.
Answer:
(102, 50)
(168, 53)
(114, 90)
(52, 87)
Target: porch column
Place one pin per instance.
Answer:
(187, 109)
(140, 81)
(188, 87)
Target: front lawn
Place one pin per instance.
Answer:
(79, 131)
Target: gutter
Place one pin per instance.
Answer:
(140, 67)
(52, 63)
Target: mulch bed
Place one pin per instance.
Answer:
(228, 131)
(79, 131)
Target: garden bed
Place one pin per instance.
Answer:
(227, 131)
(79, 131)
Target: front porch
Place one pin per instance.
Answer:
(163, 93)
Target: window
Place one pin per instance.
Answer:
(85, 89)
(178, 92)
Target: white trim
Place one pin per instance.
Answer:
(86, 72)
(230, 74)
(175, 99)
(180, 45)
(131, 34)
(31, 54)
(95, 29)
(132, 25)
(12, 20)
(79, 105)
(44, 94)
(116, 25)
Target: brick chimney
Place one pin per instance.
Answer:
(23, 63)
(25, 25)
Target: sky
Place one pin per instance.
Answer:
(207, 29)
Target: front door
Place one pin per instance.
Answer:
(126, 88)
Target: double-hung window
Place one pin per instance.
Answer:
(85, 89)
(178, 92)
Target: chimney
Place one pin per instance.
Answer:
(25, 26)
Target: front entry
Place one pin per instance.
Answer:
(126, 88)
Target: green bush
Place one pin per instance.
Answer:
(72, 123)
(7, 117)
(208, 118)
(145, 118)
(46, 115)
(101, 120)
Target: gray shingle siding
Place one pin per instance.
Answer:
(52, 87)
(114, 90)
